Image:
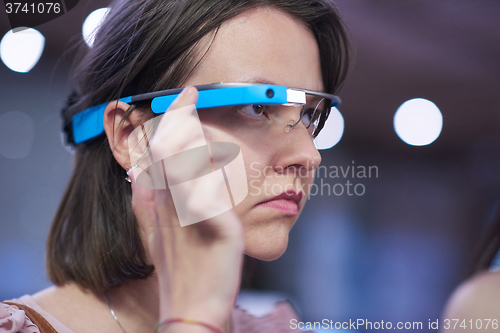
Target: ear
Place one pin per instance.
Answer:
(118, 133)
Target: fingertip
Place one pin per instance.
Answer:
(189, 90)
(191, 95)
(188, 96)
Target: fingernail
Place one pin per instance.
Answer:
(186, 91)
(187, 96)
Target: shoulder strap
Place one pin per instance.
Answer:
(36, 318)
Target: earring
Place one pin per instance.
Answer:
(128, 170)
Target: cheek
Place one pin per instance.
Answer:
(255, 169)
(256, 162)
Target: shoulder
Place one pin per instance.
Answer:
(14, 320)
(476, 299)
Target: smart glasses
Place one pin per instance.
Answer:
(315, 106)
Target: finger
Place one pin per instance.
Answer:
(188, 96)
(200, 161)
(186, 133)
(184, 104)
(201, 198)
(180, 128)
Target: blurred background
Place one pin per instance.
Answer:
(392, 251)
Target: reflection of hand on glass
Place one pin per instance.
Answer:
(116, 251)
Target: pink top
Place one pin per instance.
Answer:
(13, 320)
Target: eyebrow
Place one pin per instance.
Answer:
(258, 79)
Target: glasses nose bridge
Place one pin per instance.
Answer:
(290, 115)
(298, 147)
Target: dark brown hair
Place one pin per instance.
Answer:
(488, 248)
(144, 46)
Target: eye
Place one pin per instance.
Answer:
(255, 110)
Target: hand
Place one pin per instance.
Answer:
(199, 265)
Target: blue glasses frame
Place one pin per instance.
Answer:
(88, 124)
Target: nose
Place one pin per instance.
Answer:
(296, 151)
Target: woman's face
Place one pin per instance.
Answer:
(265, 46)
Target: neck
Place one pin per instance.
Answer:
(136, 305)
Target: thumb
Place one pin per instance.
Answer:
(188, 96)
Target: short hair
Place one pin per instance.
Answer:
(144, 46)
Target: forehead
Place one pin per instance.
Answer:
(263, 45)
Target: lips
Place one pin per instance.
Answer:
(286, 202)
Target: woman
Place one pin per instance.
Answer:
(116, 252)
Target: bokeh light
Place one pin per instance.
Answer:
(21, 48)
(332, 132)
(418, 122)
(92, 24)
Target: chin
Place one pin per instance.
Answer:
(265, 247)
